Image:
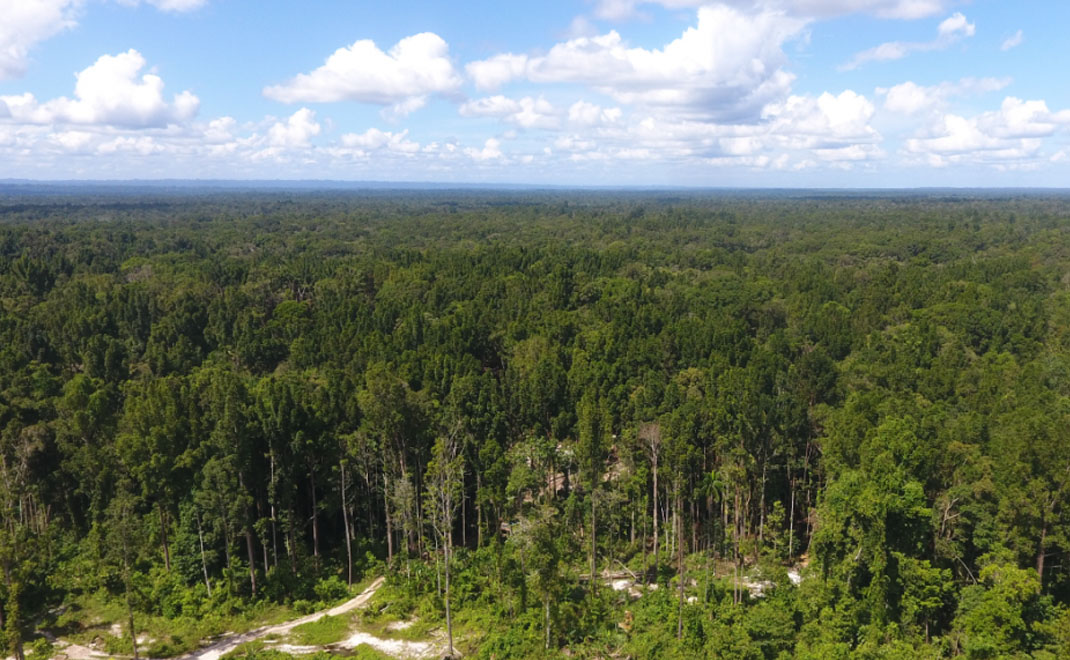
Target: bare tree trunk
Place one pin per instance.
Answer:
(274, 530)
(345, 524)
(761, 519)
(657, 513)
(546, 606)
(479, 512)
(680, 568)
(791, 518)
(204, 561)
(250, 548)
(315, 515)
(1041, 554)
(645, 565)
(389, 522)
(163, 537)
(449, 619)
(594, 545)
(263, 541)
(291, 547)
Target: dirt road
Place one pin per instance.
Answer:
(228, 643)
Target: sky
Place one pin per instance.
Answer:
(731, 93)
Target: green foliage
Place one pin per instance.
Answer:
(218, 410)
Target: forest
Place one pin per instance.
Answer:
(559, 423)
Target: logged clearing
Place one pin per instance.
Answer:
(224, 645)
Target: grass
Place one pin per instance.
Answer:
(365, 652)
(90, 619)
(321, 632)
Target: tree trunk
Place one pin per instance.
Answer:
(680, 569)
(271, 499)
(594, 546)
(656, 513)
(449, 619)
(791, 519)
(546, 606)
(204, 560)
(250, 548)
(263, 541)
(1041, 554)
(315, 514)
(163, 537)
(345, 525)
(479, 512)
(389, 523)
(761, 520)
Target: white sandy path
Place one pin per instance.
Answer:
(216, 650)
(397, 648)
(230, 642)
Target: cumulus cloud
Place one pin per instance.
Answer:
(109, 92)
(1012, 133)
(27, 22)
(909, 98)
(402, 78)
(1012, 41)
(374, 140)
(527, 112)
(950, 31)
(491, 151)
(832, 128)
(296, 131)
(826, 130)
(615, 10)
(726, 67)
(589, 114)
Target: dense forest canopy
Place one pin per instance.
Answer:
(826, 425)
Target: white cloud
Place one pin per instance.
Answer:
(825, 122)
(726, 67)
(491, 151)
(589, 114)
(950, 31)
(24, 23)
(1013, 41)
(827, 130)
(901, 9)
(374, 139)
(495, 71)
(220, 130)
(1019, 119)
(109, 92)
(527, 112)
(955, 26)
(141, 145)
(615, 10)
(71, 140)
(1012, 134)
(403, 78)
(909, 98)
(296, 132)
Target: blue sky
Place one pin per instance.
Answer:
(826, 93)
